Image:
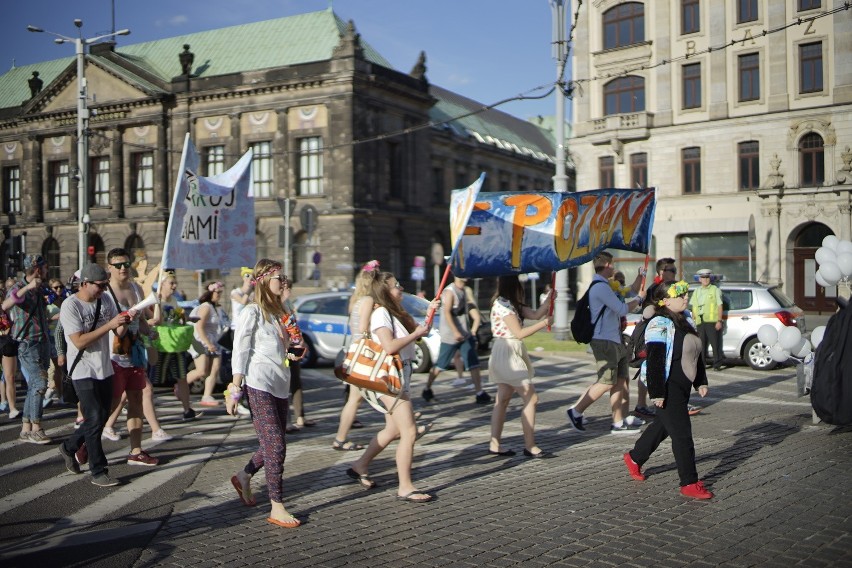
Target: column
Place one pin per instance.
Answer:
(281, 159)
(32, 171)
(116, 173)
(75, 183)
(161, 172)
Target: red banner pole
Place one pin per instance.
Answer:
(431, 316)
(552, 291)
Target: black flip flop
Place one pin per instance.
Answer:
(409, 497)
(504, 453)
(361, 479)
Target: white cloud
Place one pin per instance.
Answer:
(177, 20)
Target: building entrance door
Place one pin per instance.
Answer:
(809, 295)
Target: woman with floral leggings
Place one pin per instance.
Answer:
(260, 352)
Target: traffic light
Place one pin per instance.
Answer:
(13, 258)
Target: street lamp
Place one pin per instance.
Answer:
(560, 180)
(82, 127)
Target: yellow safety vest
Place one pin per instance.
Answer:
(705, 308)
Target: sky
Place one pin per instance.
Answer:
(487, 50)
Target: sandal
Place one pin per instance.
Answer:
(290, 524)
(292, 429)
(307, 423)
(357, 424)
(245, 497)
(362, 479)
(417, 415)
(347, 446)
(423, 430)
(410, 497)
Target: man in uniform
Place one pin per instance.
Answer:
(706, 307)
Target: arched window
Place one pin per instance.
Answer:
(624, 25)
(625, 94)
(50, 252)
(812, 235)
(811, 160)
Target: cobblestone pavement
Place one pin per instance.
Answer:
(782, 488)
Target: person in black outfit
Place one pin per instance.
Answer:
(673, 367)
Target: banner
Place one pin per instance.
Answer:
(461, 207)
(520, 232)
(211, 222)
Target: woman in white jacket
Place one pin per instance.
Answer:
(260, 361)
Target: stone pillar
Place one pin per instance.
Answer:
(33, 200)
(161, 172)
(775, 57)
(233, 146)
(74, 185)
(116, 173)
(282, 159)
(717, 76)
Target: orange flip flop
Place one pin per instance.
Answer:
(292, 524)
(235, 481)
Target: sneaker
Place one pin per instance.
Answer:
(483, 398)
(48, 398)
(38, 437)
(623, 429)
(428, 395)
(161, 436)
(243, 411)
(696, 490)
(82, 455)
(634, 421)
(142, 458)
(576, 421)
(693, 410)
(70, 463)
(110, 434)
(14, 414)
(208, 401)
(191, 414)
(4, 406)
(104, 480)
(634, 468)
(648, 411)
(459, 382)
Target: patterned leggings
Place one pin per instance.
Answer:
(269, 415)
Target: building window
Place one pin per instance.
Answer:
(746, 11)
(691, 160)
(215, 158)
(437, 186)
(395, 167)
(624, 25)
(310, 166)
(727, 253)
(606, 172)
(639, 170)
(691, 85)
(809, 5)
(749, 66)
(811, 160)
(12, 190)
(58, 181)
(142, 177)
(749, 164)
(261, 169)
(625, 94)
(50, 252)
(690, 16)
(810, 67)
(99, 182)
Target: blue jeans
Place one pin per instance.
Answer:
(34, 359)
(95, 402)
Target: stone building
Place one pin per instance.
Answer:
(734, 110)
(371, 151)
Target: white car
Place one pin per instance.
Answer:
(747, 307)
(323, 318)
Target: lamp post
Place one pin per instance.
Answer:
(560, 180)
(80, 44)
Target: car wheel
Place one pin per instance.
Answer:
(421, 362)
(310, 359)
(757, 355)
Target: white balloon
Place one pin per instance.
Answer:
(802, 349)
(830, 242)
(789, 337)
(843, 247)
(817, 335)
(820, 280)
(844, 263)
(830, 273)
(824, 255)
(778, 353)
(767, 335)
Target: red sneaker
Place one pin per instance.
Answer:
(696, 490)
(634, 468)
(82, 455)
(142, 458)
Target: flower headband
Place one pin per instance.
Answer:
(216, 287)
(370, 266)
(677, 289)
(270, 270)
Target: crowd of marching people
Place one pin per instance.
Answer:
(98, 342)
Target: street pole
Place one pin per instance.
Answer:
(560, 180)
(80, 44)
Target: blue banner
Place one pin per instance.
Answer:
(518, 232)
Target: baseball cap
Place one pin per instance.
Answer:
(704, 272)
(33, 260)
(94, 273)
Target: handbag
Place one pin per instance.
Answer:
(368, 366)
(69, 393)
(174, 338)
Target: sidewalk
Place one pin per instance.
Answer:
(782, 488)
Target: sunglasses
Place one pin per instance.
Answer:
(56, 287)
(101, 285)
(280, 278)
(120, 265)
(704, 276)
(672, 270)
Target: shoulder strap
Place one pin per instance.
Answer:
(94, 325)
(600, 313)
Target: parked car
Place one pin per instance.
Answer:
(323, 318)
(748, 306)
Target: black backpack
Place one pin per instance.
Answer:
(831, 391)
(637, 347)
(582, 327)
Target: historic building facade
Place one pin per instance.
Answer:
(368, 150)
(731, 124)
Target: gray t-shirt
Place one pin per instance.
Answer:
(459, 314)
(76, 316)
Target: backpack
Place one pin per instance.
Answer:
(636, 346)
(582, 327)
(831, 391)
